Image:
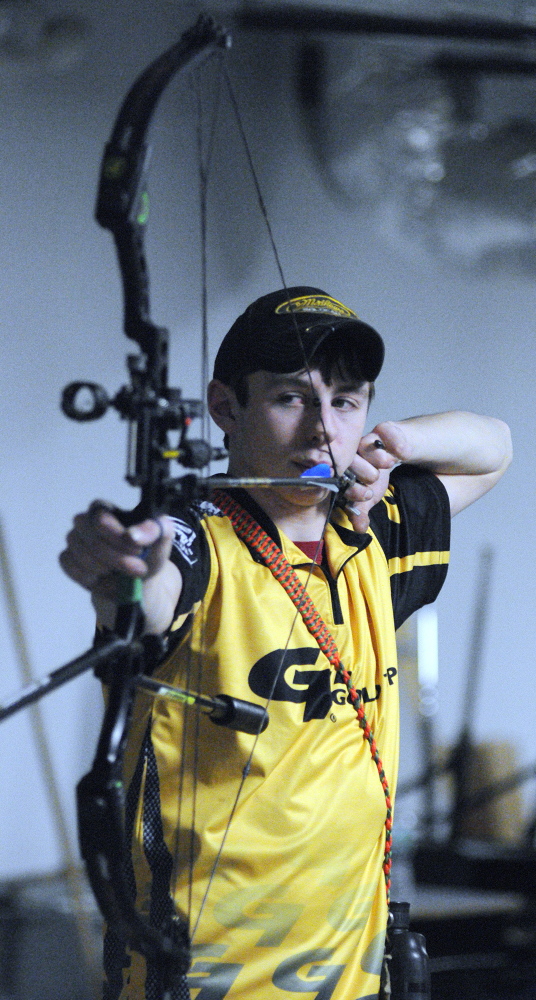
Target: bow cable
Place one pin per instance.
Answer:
(204, 159)
(203, 174)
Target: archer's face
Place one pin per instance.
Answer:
(292, 422)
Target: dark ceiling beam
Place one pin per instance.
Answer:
(291, 18)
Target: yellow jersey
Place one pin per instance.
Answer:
(273, 844)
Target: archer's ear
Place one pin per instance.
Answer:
(222, 405)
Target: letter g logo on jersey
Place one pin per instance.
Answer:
(281, 676)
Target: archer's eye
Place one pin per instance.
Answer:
(346, 403)
(290, 399)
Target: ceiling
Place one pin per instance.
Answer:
(61, 31)
(453, 138)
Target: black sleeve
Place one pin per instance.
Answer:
(191, 555)
(412, 524)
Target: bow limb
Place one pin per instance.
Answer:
(122, 202)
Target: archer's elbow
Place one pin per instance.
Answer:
(504, 446)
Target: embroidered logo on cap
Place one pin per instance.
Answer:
(315, 304)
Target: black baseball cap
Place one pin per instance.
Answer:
(281, 332)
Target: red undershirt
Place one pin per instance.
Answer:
(313, 550)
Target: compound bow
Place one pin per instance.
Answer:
(153, 409)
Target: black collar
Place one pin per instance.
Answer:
(248, 503)
(354, 539)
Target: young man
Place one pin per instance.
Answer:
(289, 897)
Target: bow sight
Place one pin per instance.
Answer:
(151, 417)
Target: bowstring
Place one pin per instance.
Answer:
(204, 170)
(269, 229)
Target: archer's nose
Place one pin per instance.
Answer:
(322, 423)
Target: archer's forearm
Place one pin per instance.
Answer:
(454, 443)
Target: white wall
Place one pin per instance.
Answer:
(452, 341)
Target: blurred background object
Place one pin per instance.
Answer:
(438, 136)
(32, 39)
